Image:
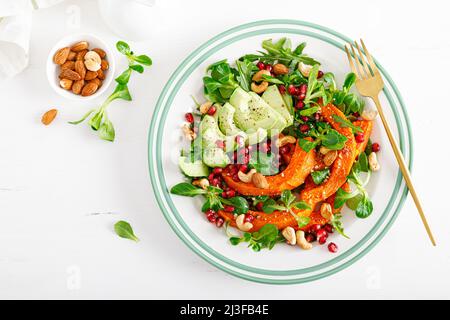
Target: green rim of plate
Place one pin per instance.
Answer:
(167, 198)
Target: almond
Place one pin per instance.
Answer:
(66, 83)
(81, 54)
(77, 86)
(89, 89)
(80, 69)
(97, 81)
(68, 65)
(72, 56)
(49, 116)
(280, 69)
(100, 52)
(61, 55)
(328, 159)
(260, 181)
(90, 75)
(80, 46)
(69, 74)
(104, 65)
(100, 74)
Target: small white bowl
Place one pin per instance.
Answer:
(53, 69)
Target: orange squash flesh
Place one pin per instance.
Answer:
(367, 127)
(300, 166)
(314, 194)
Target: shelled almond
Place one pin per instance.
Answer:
(81, 70)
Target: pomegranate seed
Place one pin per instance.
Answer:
(303, 88)
(304, 128)
(332, 247)
(305, 118)
(240, 140)
(356, 114)
(189, 117)
(220, 144)
(215, 182)
(317, 116)
(282, 89)
(211, 177)
(228, 208)
(319, 74)
(219, 222)
(243, 168)
(259, 206)
(210, 212)
(376, 147)
(299, 105)
(284, 149)
(231, 193)
(234, 170)
(268, 67)
(217, 171)
(261, 65)
(225, 195)
(322, 233)
(211, 219)
(236, 178)
(292, 90)
(249, 218)
(359, 137)
(328, 228)
(212, 110)
(315, 228)
(310, 237)
(322, 240)
(302, 96)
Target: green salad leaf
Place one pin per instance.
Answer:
(124, 230)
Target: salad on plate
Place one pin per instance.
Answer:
(277, 149)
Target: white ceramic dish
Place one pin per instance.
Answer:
(94, 42)
(284, 264)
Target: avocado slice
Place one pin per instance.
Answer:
(252, 113)
(274, 99)
(193, 169)
(215, 157)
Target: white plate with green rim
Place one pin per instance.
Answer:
(284, 264)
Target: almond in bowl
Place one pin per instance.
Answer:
(80, 67)
(75, 62)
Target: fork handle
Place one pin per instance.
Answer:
(404, 169)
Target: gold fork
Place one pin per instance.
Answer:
(369, 84)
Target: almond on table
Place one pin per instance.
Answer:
(49, 116)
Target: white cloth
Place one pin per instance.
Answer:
(15, 30)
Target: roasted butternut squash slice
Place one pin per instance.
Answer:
(300, 166)
(312, 194)
(367, 127)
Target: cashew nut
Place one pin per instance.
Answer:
(202, 183)
(259, 88)
(329, 157)
(326, 211)
(188, 132)
(246, 177)
(369, 114)
(373, 162)
(301, 241)
(205, 107)
(285, 140)
(260, 181)
(258, 77)
(305, 69)
(289, 234)
(243, 226)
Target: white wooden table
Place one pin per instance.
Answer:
(61, 188)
